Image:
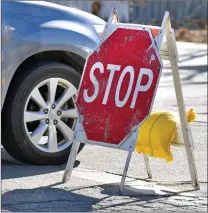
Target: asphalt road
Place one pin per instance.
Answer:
(94, 184)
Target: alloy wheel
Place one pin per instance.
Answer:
(50, 115)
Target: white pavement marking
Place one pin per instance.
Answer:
(132, 187)
(98, 176)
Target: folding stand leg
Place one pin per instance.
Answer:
(125, 172)
(181, 107)
(71, 161)
(146, 160)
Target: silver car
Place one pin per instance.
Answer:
(44, 48)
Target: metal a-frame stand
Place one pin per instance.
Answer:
(168, 51)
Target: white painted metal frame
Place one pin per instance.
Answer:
(188, 141)
(168, 51)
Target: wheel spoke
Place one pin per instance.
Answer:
(69, 113)
(30, 116)
(37, 97)
(52, 138)
(68, 93)
(38, 132)
(65, 130)
(52, 90)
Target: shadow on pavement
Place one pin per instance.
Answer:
(198, 69)
(190, 75)
(46, 200)
(49, 199)
(58, 198)
(12, 168)
(193, 55)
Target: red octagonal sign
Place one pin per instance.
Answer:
(118, 85)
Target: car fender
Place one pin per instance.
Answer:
(55, 35)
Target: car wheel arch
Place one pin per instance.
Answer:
(69, 58)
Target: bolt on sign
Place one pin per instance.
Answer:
(117, 88)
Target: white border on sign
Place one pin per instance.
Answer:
(79, 132)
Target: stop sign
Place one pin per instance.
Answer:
(118, 85)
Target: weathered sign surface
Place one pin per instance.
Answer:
(118, 85)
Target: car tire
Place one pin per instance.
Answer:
(15, 134)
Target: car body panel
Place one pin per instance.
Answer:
(30, 27)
